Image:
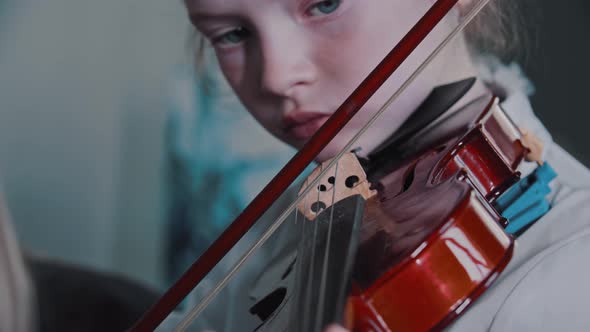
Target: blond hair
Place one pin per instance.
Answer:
(498, 30)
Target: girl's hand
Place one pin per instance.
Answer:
(335, 328)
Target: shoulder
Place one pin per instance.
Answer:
(546, 287)
(552, 292)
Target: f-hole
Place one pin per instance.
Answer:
(269, 304)
(409, 178)
(351, 181)
(289, 269)
(317, 207)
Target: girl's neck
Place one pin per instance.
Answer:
(453, 64)
(457, 64)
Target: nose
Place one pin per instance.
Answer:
(286, 64)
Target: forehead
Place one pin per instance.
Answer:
(224, 5)
(201, 11)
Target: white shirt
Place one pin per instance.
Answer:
(546, 285)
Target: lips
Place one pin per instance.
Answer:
(302, 125)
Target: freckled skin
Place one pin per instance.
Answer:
(295, 59)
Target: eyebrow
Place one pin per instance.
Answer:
(202, 18)
(196, 13)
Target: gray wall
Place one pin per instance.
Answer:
(82, 89)
(559, 65)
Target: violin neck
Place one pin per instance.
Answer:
(326, 258)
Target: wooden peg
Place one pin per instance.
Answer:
(533, 144)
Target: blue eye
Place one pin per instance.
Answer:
(324, 7)
(235, 36)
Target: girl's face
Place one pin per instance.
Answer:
(293, 62)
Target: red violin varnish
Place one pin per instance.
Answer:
(431, 242)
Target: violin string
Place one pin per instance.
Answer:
(281, 219)
(296, 216)
(308, 285)
(298, 271)
(310, 281)
(326, 255)
(300, 266)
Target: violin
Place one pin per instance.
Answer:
(403, 241)
(429, 239)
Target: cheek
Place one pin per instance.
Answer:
(383, 25)
(232, 67)
(343, 59)
(234, 70)
(350, 52)
(464, 6)
(242, 77)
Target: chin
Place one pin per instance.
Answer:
(330, 151)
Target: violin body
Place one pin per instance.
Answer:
(437, 280)
(431, 242)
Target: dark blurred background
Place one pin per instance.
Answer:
(83, 103)
(558, 64)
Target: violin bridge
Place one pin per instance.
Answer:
(346, 178)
